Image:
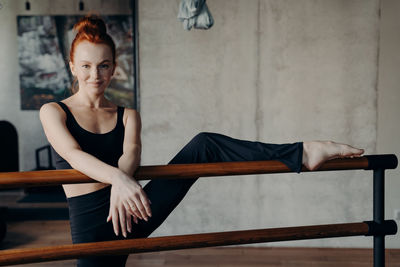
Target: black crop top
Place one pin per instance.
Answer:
(107, 147)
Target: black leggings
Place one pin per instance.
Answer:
(88, 212)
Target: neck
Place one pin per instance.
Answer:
(91, 100)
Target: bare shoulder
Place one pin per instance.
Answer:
(131, 112)
(51, 111)
(131, 116)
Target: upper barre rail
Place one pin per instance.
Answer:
(56, 177)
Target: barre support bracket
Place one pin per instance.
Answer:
(388, 227)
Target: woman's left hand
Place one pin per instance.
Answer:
(121, 218)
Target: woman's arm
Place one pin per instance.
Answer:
(132, 147)
(128, 163)
(53, 120)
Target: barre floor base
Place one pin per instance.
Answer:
(62, 252)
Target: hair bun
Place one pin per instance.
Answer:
(91, 24)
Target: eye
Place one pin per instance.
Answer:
(86, 66)
(104, 66)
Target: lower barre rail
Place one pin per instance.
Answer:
(120, 247)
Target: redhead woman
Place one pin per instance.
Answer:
(102, 140)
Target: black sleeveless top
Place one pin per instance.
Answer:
(107, 147)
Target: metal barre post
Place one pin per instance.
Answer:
(379, 216)
(378, 163)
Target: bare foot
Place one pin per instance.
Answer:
(315, 153)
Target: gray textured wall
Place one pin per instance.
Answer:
(273, 71)
(388, 104)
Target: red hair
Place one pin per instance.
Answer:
(93, 29)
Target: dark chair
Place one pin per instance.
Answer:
(47, 193)
(9, 161)
(49, 158)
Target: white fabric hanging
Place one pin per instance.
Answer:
(195, 13)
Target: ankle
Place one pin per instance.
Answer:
(306, 152)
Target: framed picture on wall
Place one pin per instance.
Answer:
(43, 54)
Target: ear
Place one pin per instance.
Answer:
(72, 68)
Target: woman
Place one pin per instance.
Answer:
(102, 140)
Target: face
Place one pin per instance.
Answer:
(92, 66)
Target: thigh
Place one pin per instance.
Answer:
(88, 214)
(165, 195)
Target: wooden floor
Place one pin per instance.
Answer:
(45, 233)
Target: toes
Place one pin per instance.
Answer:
(358, 152)
(349, 151)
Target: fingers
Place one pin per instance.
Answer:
(146, 204)
(122, 220)
(135, 219)
(109, 215)
(113, 215)
(143, 206)
(128, 221)
(134, 211)
(124, 206)
(139, 205)
(115, 221)
(122, 217)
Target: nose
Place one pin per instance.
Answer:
(95, 73)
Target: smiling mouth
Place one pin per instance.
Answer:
(95, 83)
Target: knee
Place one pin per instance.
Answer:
(201, 139)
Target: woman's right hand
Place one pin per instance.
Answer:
(127, 199)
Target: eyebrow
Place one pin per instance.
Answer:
(104, 61)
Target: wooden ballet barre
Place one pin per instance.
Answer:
(182, 171)
(379, 227)
(129, 246)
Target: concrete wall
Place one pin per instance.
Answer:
(388, 104)
(273, 71)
